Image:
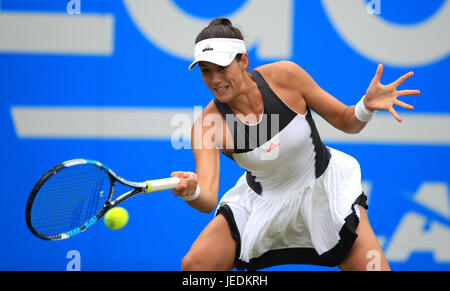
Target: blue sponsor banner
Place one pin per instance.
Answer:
(81, 57)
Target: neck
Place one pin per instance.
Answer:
(249, 99)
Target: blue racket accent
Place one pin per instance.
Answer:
(92, 162)
(74, 232)
(78, 230)
(90, 222)
(106, 167)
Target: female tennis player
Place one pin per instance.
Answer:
(298, 201)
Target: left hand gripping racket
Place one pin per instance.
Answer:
(74, 195)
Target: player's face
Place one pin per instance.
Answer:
(224, 82)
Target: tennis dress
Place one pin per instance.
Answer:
(296, 202)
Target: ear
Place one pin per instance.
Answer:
(244, 62)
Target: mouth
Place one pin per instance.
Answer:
(221, 90)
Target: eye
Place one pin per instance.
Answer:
(204, 71)
(220, 69)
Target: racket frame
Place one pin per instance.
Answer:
(139, 187)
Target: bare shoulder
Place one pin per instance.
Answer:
(209, 130)
(209, 112)
(286, 79)
(282, 74)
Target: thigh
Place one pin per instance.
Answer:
(366, 252)
(214, 249)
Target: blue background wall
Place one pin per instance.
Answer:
(414, 231)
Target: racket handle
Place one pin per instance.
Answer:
(162, 184)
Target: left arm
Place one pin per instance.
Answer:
(378, 97)
(328, 107)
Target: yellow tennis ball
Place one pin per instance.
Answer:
(116, 218)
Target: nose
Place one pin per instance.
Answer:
(216, 78)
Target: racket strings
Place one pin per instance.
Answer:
(69, 198)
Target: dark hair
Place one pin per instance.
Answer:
(219, 28)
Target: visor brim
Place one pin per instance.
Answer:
(220, 59)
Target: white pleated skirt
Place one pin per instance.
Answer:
(310, 224)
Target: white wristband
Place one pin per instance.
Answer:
(362, 113)
(193, 196)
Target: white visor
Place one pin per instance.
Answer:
(220, 51)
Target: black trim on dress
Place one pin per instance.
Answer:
(308, 256)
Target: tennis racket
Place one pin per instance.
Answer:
(74, 195)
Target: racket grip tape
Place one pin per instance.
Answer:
(162, 184)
